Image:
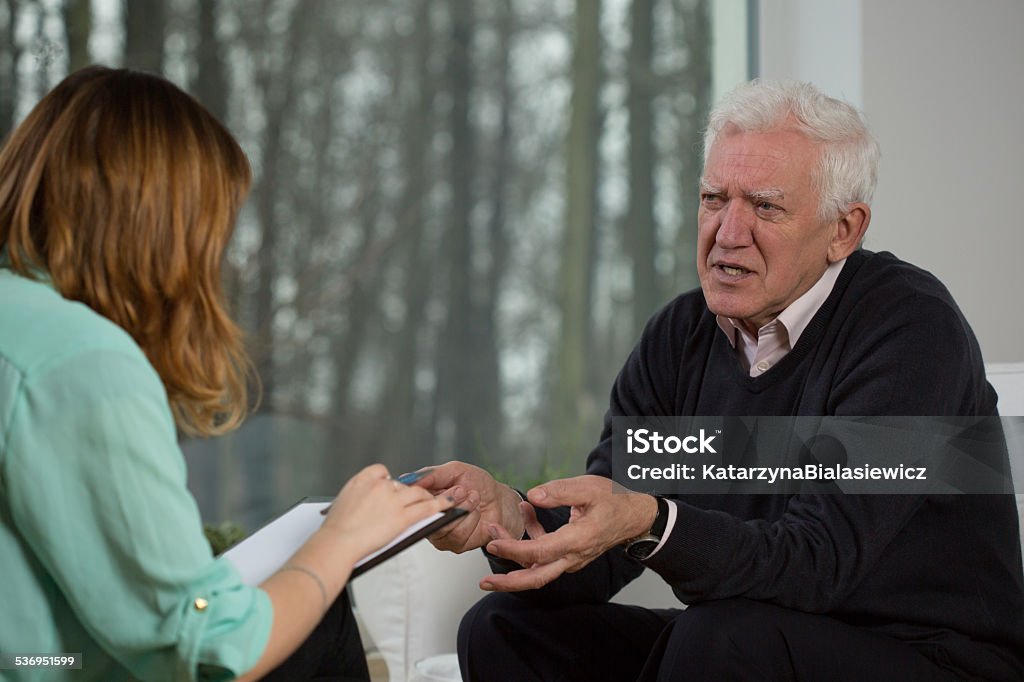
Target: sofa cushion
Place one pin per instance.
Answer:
(1008, 380)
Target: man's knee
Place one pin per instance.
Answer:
(503, 637)
(489, 621)
(729, 613)
(717, 637)
(713, 625)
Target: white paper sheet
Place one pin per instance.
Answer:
(261, 554)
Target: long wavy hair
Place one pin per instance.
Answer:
(124, 191)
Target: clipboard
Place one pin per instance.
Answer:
(266, 550)
(408, 537)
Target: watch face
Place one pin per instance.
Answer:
(642, 548)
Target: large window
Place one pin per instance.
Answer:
(464, 211)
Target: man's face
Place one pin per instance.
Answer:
(760, 243)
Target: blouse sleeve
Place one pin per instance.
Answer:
(96, 486)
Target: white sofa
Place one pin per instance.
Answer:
(411, 605)
(1008, 380)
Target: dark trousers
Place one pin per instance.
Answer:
(504, 638)
(332, 652)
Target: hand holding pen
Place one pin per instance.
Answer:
(405, 479)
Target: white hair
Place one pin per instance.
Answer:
(847, 170)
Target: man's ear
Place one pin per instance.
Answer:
(849, 231)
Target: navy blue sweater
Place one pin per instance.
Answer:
(942, 572)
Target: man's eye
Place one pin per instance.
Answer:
(767, 207)
(711, 199)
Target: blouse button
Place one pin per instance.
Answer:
(763, 365)
(200, 604)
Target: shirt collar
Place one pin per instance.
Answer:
(795, 318)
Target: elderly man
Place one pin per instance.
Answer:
(792, 318)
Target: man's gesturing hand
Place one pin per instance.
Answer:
(599, 520)
(489, 503)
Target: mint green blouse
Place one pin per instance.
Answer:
(101, 546)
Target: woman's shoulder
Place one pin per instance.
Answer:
(42, 331)
(67, 370)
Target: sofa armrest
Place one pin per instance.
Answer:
(411, 605)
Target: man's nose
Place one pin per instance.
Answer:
(737, 224)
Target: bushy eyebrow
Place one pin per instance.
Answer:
(708, 188)
(772, 193)
(768, 193)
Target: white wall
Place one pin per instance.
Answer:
(729, 46)
(941, 84)
(814, 40)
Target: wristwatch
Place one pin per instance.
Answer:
(641, 546)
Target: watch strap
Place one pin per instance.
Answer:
(657, 529)
(661, 520)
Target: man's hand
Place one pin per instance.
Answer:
(599, 520)
(490, 505)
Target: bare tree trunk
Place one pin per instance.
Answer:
(361, 298)
(309, 261)
(641, 230)
(418, 257)
(456, 382)
(696, 30)
(11, 53)
(211, 87)
(46, 51)
(572, 403)
(361, 302)
(144, 35)
(488, 380)
(77, 28)
(278, 89)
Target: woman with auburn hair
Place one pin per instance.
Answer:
(118, 194)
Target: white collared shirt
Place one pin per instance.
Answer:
(778, 337)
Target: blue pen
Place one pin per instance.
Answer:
(412, 476)
(405, 479)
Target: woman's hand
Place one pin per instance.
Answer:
(373, 508)
(367, 514)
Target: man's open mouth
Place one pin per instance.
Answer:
(735, 271)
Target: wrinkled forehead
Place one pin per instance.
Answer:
(779, 158)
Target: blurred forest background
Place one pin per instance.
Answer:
(463, 212)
